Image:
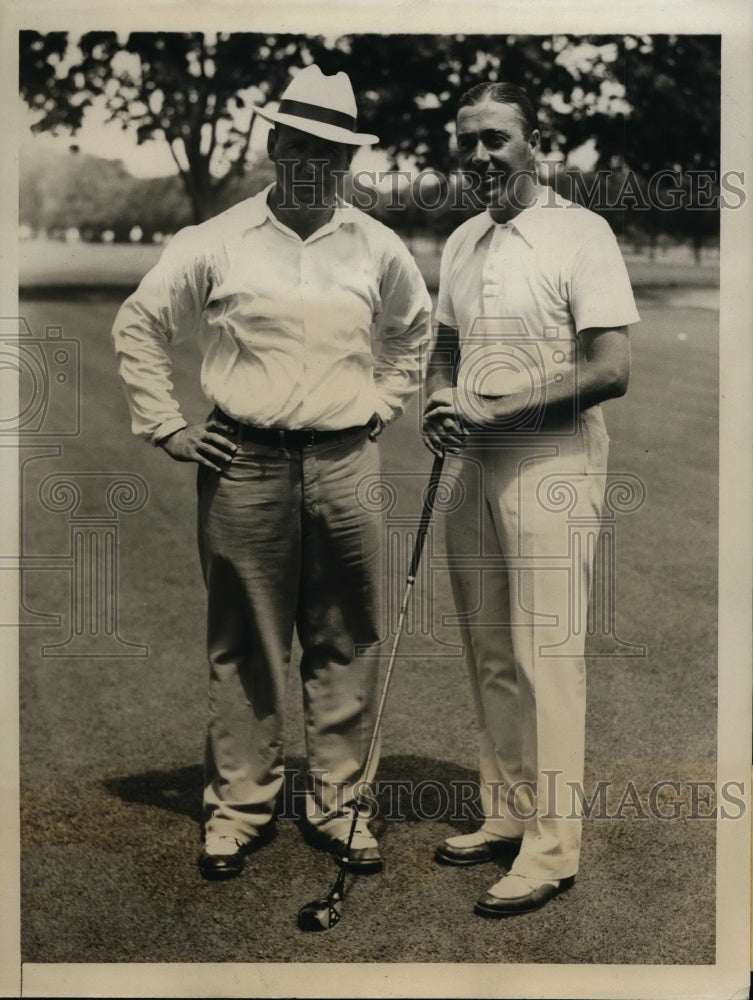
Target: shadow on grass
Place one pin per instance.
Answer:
(408, 788)
(177, 791)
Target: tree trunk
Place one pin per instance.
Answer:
(203, 205)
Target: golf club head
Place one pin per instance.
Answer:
(320, 914)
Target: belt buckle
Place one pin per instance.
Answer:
(296, 439)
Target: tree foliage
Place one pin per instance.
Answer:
(186, 88)
(64, 191)
(59, 192)
(644, 102)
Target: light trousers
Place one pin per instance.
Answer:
(521, 578)
(285, 546)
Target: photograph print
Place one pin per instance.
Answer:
(368, 426)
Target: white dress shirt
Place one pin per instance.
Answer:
(318, 333)
(520, 292)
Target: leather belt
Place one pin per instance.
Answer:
(279, 437)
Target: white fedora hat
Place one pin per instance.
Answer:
(321, 105)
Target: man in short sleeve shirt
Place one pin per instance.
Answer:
(310, 317)
(534, 306)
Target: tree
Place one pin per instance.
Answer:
(409, 85)
(652, 102)
(645, 102)
(58, 98)
(673, 86)
(193, 90)
(62, 191)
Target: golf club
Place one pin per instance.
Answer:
(322, 914)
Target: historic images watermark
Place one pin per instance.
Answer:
(603, 190)
(41, 414)
(457, 800)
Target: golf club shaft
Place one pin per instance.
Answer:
(423, 528)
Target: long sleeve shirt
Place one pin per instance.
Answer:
(318, 333)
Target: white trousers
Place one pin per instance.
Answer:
(521, 565)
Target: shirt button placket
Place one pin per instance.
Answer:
(307, 456)
(493, 274)
(305, 282)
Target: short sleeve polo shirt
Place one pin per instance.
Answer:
(520, 292)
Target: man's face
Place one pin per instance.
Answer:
(493, 150)
(309, 169)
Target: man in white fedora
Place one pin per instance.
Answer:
(311, 318)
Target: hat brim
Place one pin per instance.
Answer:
(320, 129)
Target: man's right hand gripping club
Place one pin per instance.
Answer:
(443, 428)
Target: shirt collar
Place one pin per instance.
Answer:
(525, 222)
(257, 212)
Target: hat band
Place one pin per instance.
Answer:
(327, 116)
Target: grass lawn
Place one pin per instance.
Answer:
(44, 263)
(111, 747)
